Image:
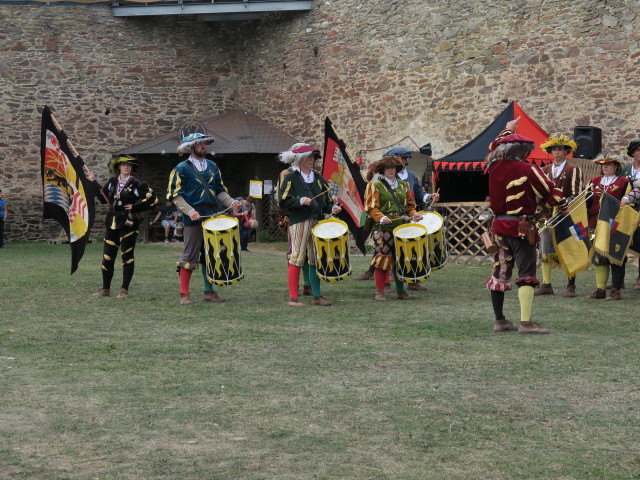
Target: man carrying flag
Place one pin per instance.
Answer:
(632, 172)
(571, 242)
(568, 179)
(604, 207)
(68, 194)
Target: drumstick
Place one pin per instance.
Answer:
(321, 193)
(218, 213)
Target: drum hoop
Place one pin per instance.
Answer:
(218, 218)
(327, 221)
(440, 217)
(407, 225)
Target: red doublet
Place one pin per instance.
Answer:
(515, 189)
(618, 188)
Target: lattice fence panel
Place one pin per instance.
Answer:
(465, 223)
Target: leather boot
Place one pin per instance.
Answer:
(504, 325)
(571, 291)
(212, 297)
(295, 302)
(380, 296)
(103, 292)
(543, 289)
(637, 286)
(532, 327)
(599, 294)
(388, 288)
(123, 293)
(306, 290)
(614, 295)
(365, 276)
(323, 302)
(416, 287)
(185, 299)
(402, 295)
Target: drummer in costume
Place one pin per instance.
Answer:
(632, 172)
(516, 187)
(306, 195)
(388, 201)
(127, 197)
(568, 179)
(196, 188)
(421, 198)
(306, 282)
(617, 186)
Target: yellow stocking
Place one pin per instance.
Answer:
(525, 295)
(546, 272)
(602, 276)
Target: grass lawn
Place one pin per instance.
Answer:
(143, 388)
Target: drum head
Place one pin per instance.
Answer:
(411, 230)
(330, 229)
(432, 220)
(220, 224)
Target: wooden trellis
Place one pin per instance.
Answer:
(465, 223)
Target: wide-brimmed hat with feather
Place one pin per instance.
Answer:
(559, 141)
(297, 153)
(115, 163)
(380, 165)
(193, 138)
(608, 157)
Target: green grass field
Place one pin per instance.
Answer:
(143, 388)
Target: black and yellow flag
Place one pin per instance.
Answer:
(69, 197)
(571, 241)
(615, 229)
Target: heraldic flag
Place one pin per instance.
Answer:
(571, 241)
(614, 229)
(346, 182)
(69, 197)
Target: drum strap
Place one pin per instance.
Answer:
(393, 195)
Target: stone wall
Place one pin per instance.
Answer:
(415, 71)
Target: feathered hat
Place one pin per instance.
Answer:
(193, 138)
(115, 163)
(380, 165)
(632, 147)
(559, 141)
(608, 157)
(297, 153)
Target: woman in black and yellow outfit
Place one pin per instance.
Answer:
(387, 213)
(127, 197)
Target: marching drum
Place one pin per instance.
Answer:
(438, 252)
(331, 239)
(222, 250)
(412, 252)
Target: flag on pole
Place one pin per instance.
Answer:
(345, 181)
(615, 229)
(571, 241)
(68, 195)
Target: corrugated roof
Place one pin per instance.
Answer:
(234, 131)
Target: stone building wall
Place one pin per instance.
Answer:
(412, 71)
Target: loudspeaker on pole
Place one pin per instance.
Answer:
(589, 140)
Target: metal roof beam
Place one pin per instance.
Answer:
(133, 10)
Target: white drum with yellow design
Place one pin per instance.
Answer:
(222, 250)
(412, 252)
(438, 251)
(331, 239)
